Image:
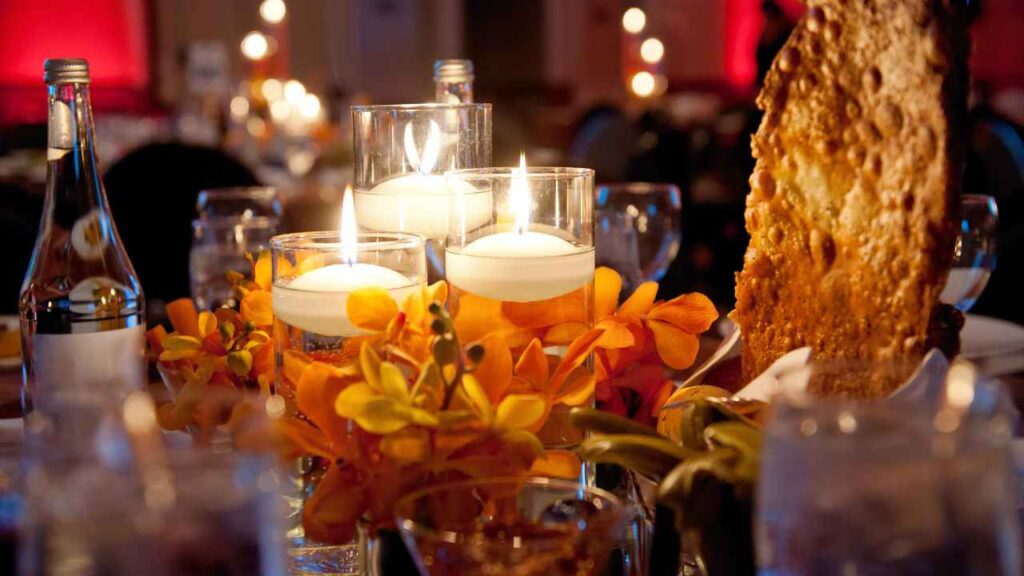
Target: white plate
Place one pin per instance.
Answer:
(984, 336)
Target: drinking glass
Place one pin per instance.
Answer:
(974, 256)
(95, 519)
(220, 244)
(885, 487)
(638, 230)
(508, 526)
(241, 201)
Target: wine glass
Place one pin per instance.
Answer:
(974, 257)
(638, 229)
(510, 526)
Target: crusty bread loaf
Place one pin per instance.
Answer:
(852, 201)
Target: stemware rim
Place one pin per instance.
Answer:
(639, 187)
(412, 527)
(364, 241)
(419, 106)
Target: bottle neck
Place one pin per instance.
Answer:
(73, 178)
(453, 92)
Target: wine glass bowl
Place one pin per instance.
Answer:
(510, 526)
(638, 229)
(974, 256)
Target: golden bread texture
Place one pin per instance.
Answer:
(853, 197)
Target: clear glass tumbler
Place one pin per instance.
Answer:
(514, 527)
(240, 201)
(885, 487)
(221, 244)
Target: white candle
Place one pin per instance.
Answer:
(317, 301)
(520, 267)
(418, 203)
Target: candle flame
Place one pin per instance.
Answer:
(423, 163)
(519, 201)
(348, 231)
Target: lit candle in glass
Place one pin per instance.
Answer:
(418, 201)
(316, 299)
(527, 261)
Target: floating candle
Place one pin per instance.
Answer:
(317, 301)
(418, 202)
(521, 265)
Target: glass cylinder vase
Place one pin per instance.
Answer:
(314, 274)
(401, 154)
(526, 268)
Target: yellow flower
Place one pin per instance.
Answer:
(382, 402)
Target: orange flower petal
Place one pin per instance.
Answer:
(564, 333)
(371, 308)
(641, 301)
(533, 365)
(309, 262)
(557, 464)
(676, 347)
(569, 307)
(607, 287)
(617, 333)
(693, 313)
(575, 356)
(257, 307)
(476, 317)
(331, 513)
(315, 393)
(578, 390)
(494, 372)
(521, 412)
(304, 438)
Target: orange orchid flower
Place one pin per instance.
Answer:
(672, 326)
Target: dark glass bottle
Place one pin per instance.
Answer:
(453, 81)
(81, 306)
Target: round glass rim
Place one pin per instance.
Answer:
(418, 107)
(237, 192)
(229, 222)
(330, 241)
(616, 507)
(532, 173)
(637, 187)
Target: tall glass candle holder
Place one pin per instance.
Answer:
(401, 155)
(314, 273)
(529, 264)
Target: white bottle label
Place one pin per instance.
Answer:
(91, 367)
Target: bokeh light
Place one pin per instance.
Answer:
(255, 46)
(294, 92)
(273, 11)
(634, 20)
(642, 84)
(652, 50)
(310, 107)
(272, 89)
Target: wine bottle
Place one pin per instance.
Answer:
(81, 305)
(453, 81)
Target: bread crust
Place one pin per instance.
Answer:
(853, 197)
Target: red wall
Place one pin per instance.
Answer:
(111, 34)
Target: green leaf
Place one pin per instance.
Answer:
(608, 423)
(647, 455)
